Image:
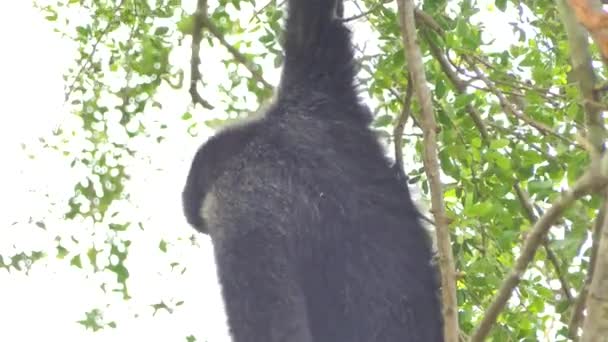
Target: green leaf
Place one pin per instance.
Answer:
(501, 4)
(62, 252)
(75, 261)
(161, 31)
(186, 116)
(536, 186)
(185, 25)
(383, 121)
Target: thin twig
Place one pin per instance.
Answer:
(460, 86)
(215, 31)
(510, 107)
(90, 57)
(256, 14)
(505, 103)
(195, 59)
(366, 13)
(400, 125)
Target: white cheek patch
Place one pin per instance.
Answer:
(208, 207)
(208, 211)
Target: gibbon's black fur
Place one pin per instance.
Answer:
(316, 238)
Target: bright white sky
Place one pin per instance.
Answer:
(45, 304)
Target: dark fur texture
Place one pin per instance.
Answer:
(315, 237)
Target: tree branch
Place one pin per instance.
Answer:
(595, 326)
(577, 317)
(524, 199)
(583, 73)
(429, 129)
(590, 181)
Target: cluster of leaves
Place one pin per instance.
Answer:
(122, 60)
(508, 120)
(491, 159)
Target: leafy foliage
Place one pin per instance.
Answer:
(508, 110)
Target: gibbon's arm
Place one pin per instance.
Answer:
(318, 52)
(306, 20)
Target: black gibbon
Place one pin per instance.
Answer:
(316, 238)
